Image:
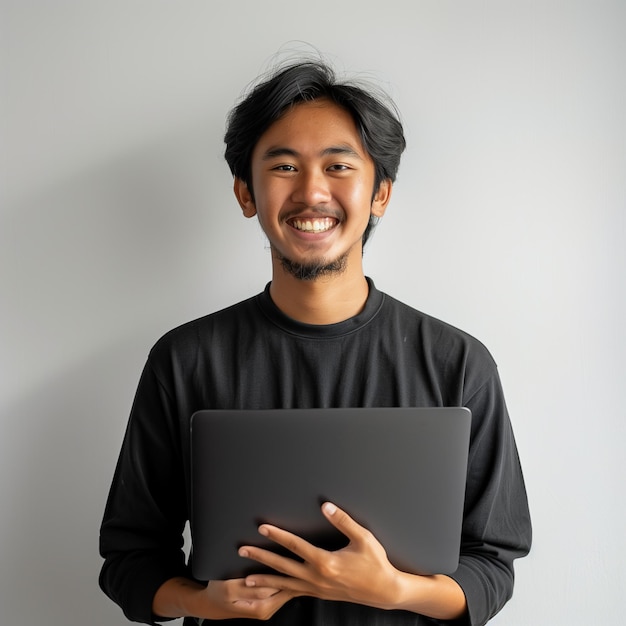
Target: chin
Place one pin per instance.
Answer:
(313, 269)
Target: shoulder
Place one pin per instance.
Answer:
(433, 331)
(445, 349)
(206, 330)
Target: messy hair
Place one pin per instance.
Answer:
(377, 120)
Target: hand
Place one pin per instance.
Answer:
(220, 599)
(360, 572)
(233, 598)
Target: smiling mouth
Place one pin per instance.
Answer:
(315, 225)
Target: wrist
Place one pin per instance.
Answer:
(178, 597)
(408, 590)
(436, 596)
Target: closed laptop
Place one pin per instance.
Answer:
(400, 472)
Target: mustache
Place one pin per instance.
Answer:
(318, 211)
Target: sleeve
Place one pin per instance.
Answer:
(496, 526)
(141, 533)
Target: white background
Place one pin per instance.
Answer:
(118, 223)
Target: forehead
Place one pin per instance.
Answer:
(319, 124)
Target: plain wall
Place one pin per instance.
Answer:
(118, 223)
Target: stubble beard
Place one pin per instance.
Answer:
(314, 269)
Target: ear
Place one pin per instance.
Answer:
(381, 198)
(244, 197)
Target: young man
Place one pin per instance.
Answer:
(314, 160)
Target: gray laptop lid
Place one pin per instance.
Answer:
(400, 472)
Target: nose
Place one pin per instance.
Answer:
(311, 188)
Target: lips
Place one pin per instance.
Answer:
(313, 225)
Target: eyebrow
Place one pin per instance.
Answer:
(279, 151)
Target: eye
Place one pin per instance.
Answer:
(339, 167)
(284, 168)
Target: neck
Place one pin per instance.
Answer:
(326, 300)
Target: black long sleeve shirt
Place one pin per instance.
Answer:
(253, 356)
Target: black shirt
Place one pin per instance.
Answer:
(253, 356)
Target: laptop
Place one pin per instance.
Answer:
(400, 472)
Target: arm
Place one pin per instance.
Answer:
(496, 520)
(496, 530)
(141, 535)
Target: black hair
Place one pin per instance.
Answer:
(377, 121)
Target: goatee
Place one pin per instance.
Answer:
(315, 269)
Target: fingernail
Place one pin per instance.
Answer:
(330, 508)
(243, 552)
(263, 531)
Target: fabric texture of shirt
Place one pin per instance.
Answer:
(252, 356)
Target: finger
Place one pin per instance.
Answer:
(257, 592)
(344, 523)
(277, 562)
(295, 544)
(293, 586)
(262, 608)
(237, 589)
(233, 598)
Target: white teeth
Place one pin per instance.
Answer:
(317, 225)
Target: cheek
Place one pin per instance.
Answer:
(359, 195)
(266, 199)
(273, 191)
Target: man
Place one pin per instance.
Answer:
(315, 161)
